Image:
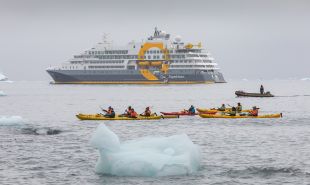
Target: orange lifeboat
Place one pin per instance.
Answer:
(144, 63)
(156, 63)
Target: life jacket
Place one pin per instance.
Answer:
(233, 111)
(133, 114)
(191, 110)
(239, 108)
(254, 112)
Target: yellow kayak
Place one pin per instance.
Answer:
(117, 117)
(226, 110)
(238, 116)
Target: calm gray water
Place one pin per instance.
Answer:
(50, 146)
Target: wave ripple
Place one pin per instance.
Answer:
(265, 172)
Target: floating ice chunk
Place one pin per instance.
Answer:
(2, 93)
(305, 79)
(105, 139)
(3, 77)
(10, 120)
(148, 156)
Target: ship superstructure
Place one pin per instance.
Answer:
(157, 60)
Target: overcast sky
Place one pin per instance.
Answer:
(264, 39)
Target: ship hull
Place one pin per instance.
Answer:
(133, 77)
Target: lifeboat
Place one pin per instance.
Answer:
(156, 63)
(144, 63)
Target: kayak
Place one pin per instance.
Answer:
(238, 116)
(206, 111)
(183, 113)
(245, 94)
(117, 117)
(178, 114)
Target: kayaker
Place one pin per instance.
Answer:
(133, 114)
(191, 110)
(110, 113)
(106, 111)
(233, 112)
(254, 111)
(222, 108)
(239, 107)
(262, 89)
(127, 112)
(147, 112)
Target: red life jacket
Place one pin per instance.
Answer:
(133, 114)
(254, 112)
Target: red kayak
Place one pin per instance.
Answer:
(179, 113)
(186, 113)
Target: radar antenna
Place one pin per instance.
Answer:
(156, 33)
(105, 38)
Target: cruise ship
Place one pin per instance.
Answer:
(159, 59)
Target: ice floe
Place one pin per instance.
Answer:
(2, 93)
(10, 120)
(147, 156)
(3, 77)
(305, 79)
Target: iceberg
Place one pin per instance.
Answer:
(305, 79)
(147, 156)
(11, 120)
(3, 77)
(2, 93)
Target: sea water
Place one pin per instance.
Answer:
(47, 144)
